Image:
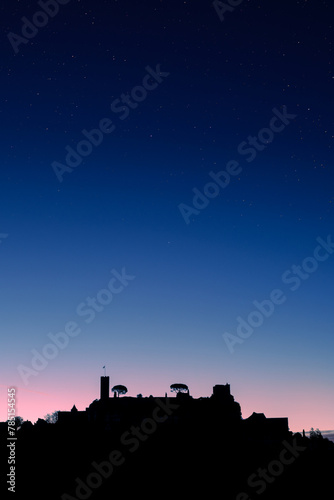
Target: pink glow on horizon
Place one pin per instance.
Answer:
(305, 409)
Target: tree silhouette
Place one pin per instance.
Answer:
(315, 434)
(51, 418)
(18, 421)
(119, 389)
(179, 388)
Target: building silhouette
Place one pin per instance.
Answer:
(108, 413)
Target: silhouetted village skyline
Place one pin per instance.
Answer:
(122, 445)
(108, 411)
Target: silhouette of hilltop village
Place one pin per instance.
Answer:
(109, 412)
(155, 446)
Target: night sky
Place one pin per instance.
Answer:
(167, 165)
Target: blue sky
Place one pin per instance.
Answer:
(120, 207)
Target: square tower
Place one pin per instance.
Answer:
(104, 393)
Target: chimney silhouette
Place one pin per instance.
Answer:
(104, 393)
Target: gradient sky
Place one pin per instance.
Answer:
(120, 207)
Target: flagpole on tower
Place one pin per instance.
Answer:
(104, 370)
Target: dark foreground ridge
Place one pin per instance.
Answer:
(167, 446)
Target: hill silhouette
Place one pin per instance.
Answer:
(177, 446)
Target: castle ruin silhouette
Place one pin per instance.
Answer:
(220, 408)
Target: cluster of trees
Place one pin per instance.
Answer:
(314, 434)
(121, 389)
